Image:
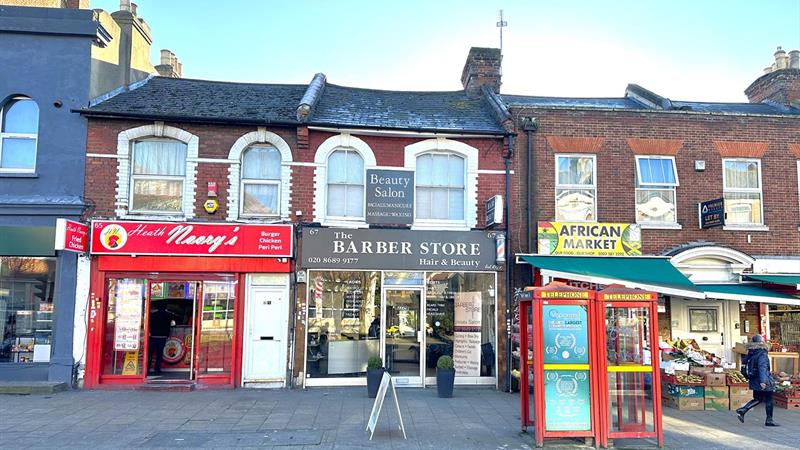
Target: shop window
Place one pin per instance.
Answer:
(460, 322)
(703, 320)
(124, 332)
(446, 184)
(156, 172)
(26, 308)
(259, 177)
(576, 188)
(261, 182)
(656, 180)
(440, 186)
(157, 176)
(742, 192)
(341, 162)
(343, 323)
(19, 131)
(345, 185)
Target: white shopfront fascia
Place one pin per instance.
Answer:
(428, 381)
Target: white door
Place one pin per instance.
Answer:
(266, 335)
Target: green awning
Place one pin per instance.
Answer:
(651, 273)
(748, 293)
(788, 279)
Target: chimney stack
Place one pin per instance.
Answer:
(482, 68)
(170, 66)
(780, 83)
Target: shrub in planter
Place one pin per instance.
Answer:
(374, 374)
(445, 376)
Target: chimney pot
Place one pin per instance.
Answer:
(794, 59)
(134, 6)
(124, 5)
(780, 59)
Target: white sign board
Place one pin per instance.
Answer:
(467, 334)
(376, 407)
(128, 312)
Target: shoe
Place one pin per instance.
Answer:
(740, 414)
(770, 423)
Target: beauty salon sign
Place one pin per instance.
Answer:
(190, 239)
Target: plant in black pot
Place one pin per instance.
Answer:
(445, 376)
(374, 374)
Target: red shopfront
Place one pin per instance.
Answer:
(170, 303)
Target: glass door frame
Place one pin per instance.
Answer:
(195, 323)
(406, 381)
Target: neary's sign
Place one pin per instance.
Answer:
(390, 196)
(590, 239)
(338, 248)
(712, 213)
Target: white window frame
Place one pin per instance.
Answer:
(443, 222)
(125, 141)
(135, 177)
(470, 155)
(328, 184)
(657, 187)
(749, 226)
(342, 141)
(235, 191)
(31, 136)
(592, 187)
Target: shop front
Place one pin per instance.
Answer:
(408, 297)
(188, 304)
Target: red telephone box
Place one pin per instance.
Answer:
(629, 379)
(562, 340)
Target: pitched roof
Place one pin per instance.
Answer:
(215, 101)
(569, 102)
(425, 111)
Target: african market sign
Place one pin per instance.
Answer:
(590, 239)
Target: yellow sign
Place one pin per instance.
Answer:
(211, 205)
(563, 294)
(644, 296)
(590, 239)
(130, 366)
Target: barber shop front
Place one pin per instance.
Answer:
(188, 304)
(406, 296)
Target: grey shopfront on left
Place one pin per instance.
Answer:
(42, 155)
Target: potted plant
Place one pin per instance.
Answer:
(374, 374)
(445, 376)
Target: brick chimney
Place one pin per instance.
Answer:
(780, 83)
(483, 68)
(170, 66)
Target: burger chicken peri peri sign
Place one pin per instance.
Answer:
(589, 239)
(190, 239)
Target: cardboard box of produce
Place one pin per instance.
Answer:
(716, 392)
(717, 404)
(737, 401)
(686, 391)
(715, 379)
(685, 404)
(738, 391)
(701, 370)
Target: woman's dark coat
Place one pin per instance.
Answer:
(758, 360)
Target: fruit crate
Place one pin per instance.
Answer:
(787, 403)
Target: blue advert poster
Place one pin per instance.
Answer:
(565, 334)
(567, 401)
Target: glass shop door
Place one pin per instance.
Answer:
(404, 339)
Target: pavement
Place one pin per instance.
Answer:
(331, 418)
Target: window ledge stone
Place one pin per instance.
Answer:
(343, 224)
(745, 228)
(661, 226)
(19, 175)
(153, 217)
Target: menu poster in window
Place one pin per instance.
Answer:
(353, 300)
(567, 401)
(128, 314)
(467, 334)
(565, 334)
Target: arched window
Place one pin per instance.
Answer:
(261, 181)
(19, 129)
(158, 173)
(345, 198)
(440, 180)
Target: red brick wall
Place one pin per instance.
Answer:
(704, 137)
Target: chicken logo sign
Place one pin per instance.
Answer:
(113, 237)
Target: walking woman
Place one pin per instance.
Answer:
(760, 379)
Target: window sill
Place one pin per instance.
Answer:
(661, 226)
(343, 224)
(745, 228)
(150, 216)
(438, 227)
(19, 175)
(265, 219)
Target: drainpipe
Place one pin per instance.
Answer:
(509, 255)
(530, 125)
